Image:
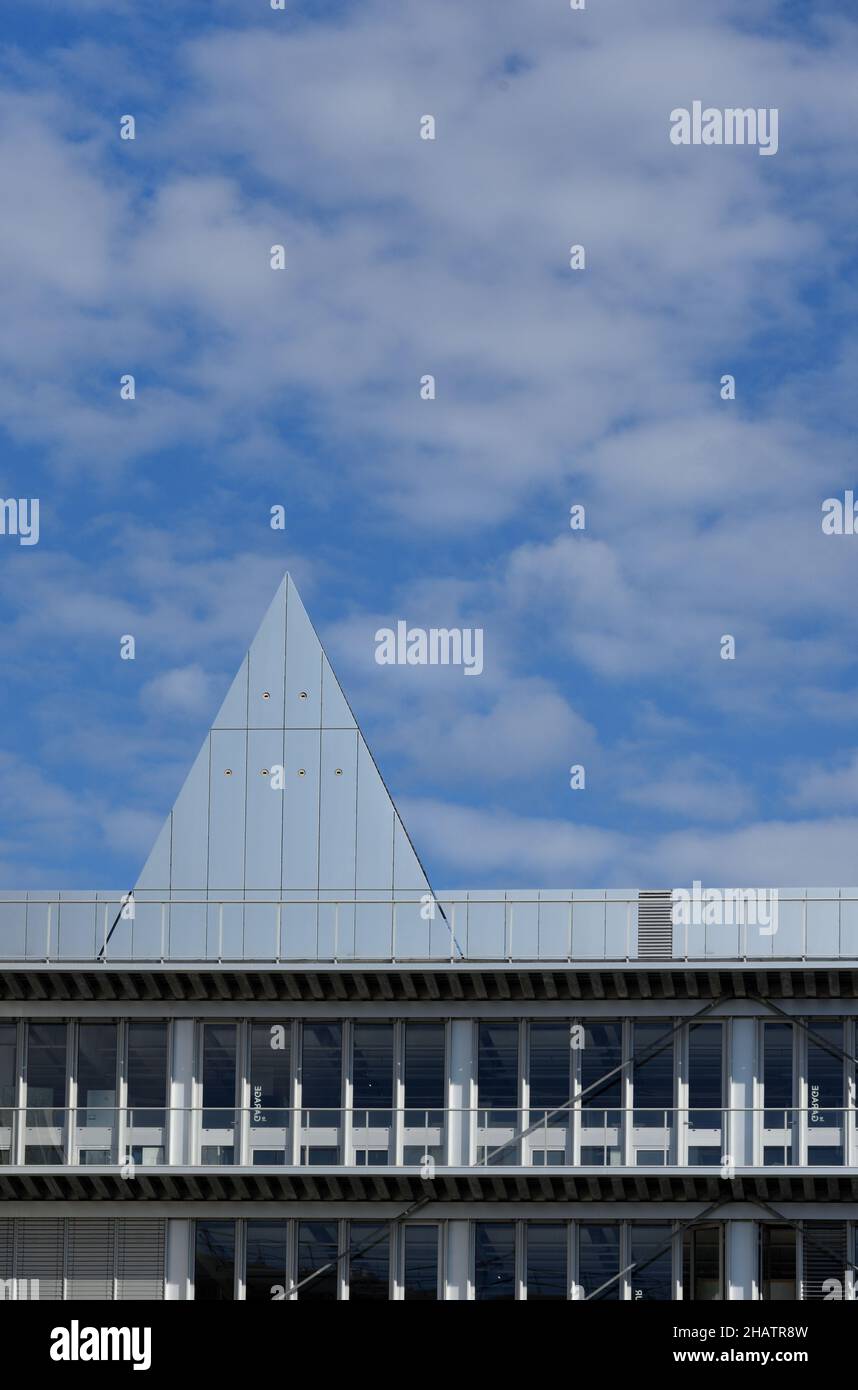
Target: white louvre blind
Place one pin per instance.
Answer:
(89, 1268)
(140, 1260)
(824, 1263)
(7, 1246)
(655, 925)
(40, 1256)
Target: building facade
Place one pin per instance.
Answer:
(285, 1067)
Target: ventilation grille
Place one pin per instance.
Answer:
(655, 927)
(820, 1266)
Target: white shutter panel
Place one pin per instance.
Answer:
(140, 1260)
(89, 1271)
(655, 925)
(7, 1246)
(40, 1256)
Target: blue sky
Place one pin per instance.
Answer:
(301, 388)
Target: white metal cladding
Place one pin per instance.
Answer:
(88, 1258)
(655, 925)
(331, 831)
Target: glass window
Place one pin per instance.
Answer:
(369, 1260)
(321, 1069)
(420, 1263)
(266, 1263)
(270, 1072)
(8, 1063)
(778, 1244)
(372, 1067)
(547, 1274)
(705, 1089)
(825, 1082)
(550, 1065)
(498, 1066)
(46, 1092)
(701, 1263)
(214, 1265)
(147, 1072)
(425, 1069)
(219, 1074)
(317, 1247)
(8, 1087)
(777, 1092)
(494, 1260)
(599, 1261)
(602, 1053)
(653, 1077)
(46, 1065)
(96, 1073)
(652, 1279)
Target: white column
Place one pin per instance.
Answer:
(743, 1053)
(458, 1259)
(460, 1090)
(178, 1260)
(181, 1091)
(742, 1260)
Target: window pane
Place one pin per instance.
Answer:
(653, 1278)
(701, 1263)
(369, 1260)
(653, 1078)
(550, 1058)
(270, 1071)
(96, 1072)
(219, 1066)
(599, 1260)
(425, 1074)
(317, 1246)
(373, 1065)
(46, 1064)
(704, 1067)
(602, 1052)
(777, 1065)
(494, 1260)
(546, 1261)
(825, 1082)
(265, 1270)
(8, 1060)
(779, 1261)
(147, 1068)
(8, 1086)
(420, 1275)
(498, 1065)
(214, 1267)
(321, 1066)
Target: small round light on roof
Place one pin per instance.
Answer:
(266, 695)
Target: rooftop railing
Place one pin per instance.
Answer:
(545, 927)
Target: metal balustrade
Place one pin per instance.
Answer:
(560, 928)
(580, 1137)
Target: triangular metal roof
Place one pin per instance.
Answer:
(329, 828)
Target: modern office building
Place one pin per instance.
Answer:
(287, 1067)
